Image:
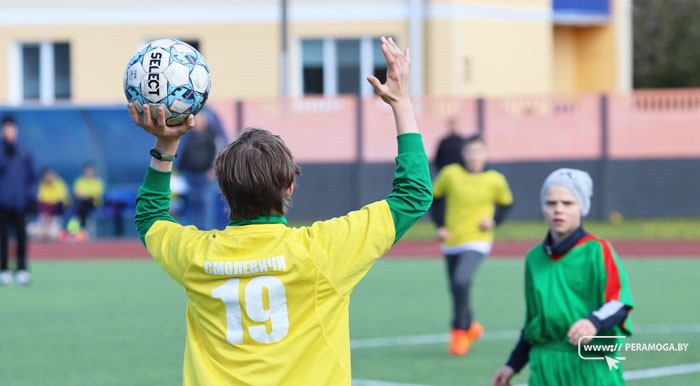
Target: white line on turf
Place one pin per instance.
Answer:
(370, 382)
(657, 372)
(502, 335)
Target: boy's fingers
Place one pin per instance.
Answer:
(161, 116)
(147, 113)
(387, 55)
(374, 81)
(133, 113)
(395, 48)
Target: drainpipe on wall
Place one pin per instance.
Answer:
(416, 11)
(623, 36)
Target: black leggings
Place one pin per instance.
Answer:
(16, 220)
(461, 268)
(85, 207)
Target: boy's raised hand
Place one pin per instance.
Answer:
(395, 88)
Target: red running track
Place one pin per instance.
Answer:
(133, 249)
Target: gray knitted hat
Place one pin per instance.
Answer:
(577, 181)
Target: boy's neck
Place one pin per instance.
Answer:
(271, 219)
(560, 247)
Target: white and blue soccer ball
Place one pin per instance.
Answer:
(171, 73)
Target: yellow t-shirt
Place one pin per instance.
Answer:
(469, 198)
(89, 187)
(256, 291)
(53, 192)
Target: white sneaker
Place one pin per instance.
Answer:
(5, 278)
(23, 278)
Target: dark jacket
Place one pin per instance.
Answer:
(449, 151)
(198, 151)
(18, 178)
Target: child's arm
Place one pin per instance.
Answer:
(517, 360)
(153, 199)
(618, 301)
(520, 354)
(610, 314)
(411, 195)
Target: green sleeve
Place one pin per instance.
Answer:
(411, 195)
(152, 201)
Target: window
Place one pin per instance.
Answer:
(31, 86)
(378, 62)
(312, 66)
(339, 66)
(193, 43)
(61, 66)
(44, 70)
(348, 61)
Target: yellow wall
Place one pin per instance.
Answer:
(239, 67)
(441, 59)
(488, 57)
(596, 59)
(565, 59)
(584, 59)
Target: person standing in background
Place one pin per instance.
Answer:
(449, 149)
(197, 163)
(476, 201)
(18, 189)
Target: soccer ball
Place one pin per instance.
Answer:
(171, 73)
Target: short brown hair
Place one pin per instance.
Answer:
(254, 172)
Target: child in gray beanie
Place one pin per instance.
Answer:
(575, 288)
(577, 181)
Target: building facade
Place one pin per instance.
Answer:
(76, 51)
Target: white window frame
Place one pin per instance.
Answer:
(47, 82)
(330, 67)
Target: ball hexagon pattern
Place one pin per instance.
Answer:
(170, 73)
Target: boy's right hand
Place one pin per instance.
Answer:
(442, 234)
(395, 89)
(503, 376)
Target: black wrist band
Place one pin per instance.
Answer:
(155, 153)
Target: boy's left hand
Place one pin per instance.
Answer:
(159, 129)
(581, 328)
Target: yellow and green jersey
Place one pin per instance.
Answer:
(268, 304)
(470, 198)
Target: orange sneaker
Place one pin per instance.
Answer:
(461, 340)
(476, 330)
